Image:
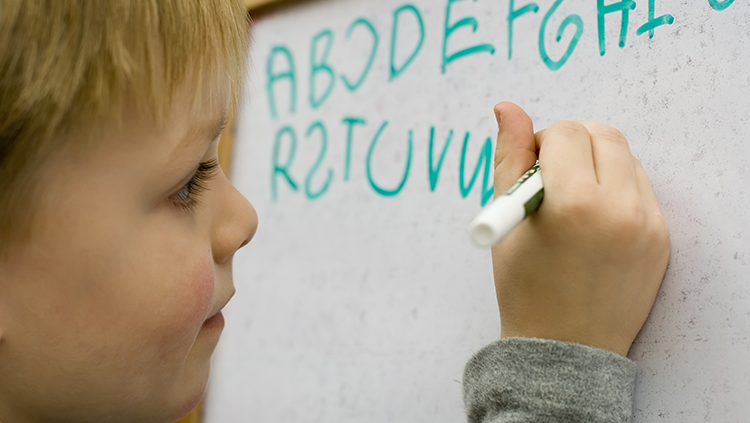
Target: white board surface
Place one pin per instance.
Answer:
(361, 298)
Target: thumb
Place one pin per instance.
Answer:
(516, 148)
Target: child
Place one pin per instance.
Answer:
(117, 229)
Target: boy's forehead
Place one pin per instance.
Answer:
(205, 115)
(206, 131)
(191, 120)
(207, 118)
(187, 133)
(193, 132)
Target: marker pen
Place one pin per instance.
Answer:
(495, 221)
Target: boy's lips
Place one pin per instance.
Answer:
(217, 318)
(215, 321)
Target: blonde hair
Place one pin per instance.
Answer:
(67, 62)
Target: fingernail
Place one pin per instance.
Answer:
(497, 117)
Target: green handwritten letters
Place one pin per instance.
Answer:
(282, 76)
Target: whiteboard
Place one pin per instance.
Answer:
(361, 298)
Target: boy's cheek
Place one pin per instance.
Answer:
(204, 287)
(128, 300)
(173, 293)
(142, 296)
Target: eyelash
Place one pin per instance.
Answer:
(188, 196)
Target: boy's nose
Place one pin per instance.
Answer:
(235, 222)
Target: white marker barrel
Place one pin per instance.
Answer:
(508, 210)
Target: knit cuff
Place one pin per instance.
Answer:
(531, 380)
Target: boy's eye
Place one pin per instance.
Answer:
(187, 197)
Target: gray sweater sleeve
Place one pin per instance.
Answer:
(516, 380)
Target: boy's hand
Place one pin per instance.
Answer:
(587, 265)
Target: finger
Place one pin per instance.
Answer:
(654, 214)
(613, 161)
(645, 189)
(516, 149)
(565, 155)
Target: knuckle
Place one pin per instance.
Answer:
(569, 127)
(613, 136)
(659, 232)
(628, 221)
(633, 226)
(610, 134)
(605, 132)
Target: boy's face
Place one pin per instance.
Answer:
(109, 313)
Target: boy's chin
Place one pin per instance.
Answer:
(188, 388)
(189, 379)
(189, 405)
(193, 391)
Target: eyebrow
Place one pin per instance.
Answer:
(218, 127)
(202, 132)
(206, 133)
